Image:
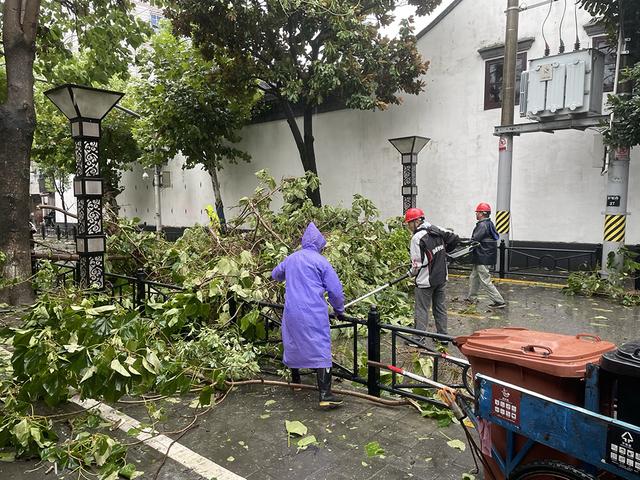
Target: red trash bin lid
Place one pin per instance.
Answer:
(551, 353)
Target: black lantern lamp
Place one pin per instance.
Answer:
(409, 147)
(85, 107)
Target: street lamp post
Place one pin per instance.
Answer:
(409, 147)
(85, 107)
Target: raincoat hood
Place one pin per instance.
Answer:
(313, 239)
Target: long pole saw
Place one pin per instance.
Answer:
(455, 254)
(424, 380)
(379, 289)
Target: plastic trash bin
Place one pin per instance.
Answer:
(622, 367)
(547, 363)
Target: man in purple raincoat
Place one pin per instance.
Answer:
(305, 324)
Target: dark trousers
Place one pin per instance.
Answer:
(436, 298)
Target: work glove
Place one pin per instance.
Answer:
(340, 316)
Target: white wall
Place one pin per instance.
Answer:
(70, 202)
(557, 193)
(182, 203)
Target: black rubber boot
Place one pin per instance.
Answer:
(327, 399)
(295, 378)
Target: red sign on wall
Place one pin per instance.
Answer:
(622, 153)
(502, 144)
(506, 404)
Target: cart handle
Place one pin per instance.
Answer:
(527, 349)
(595, 338)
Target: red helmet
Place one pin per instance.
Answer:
(413, 214)
(483, 207)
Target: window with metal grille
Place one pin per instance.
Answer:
(493, 80)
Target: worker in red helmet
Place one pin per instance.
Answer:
(428, 247)
(482, 256)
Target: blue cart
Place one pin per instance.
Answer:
(605, 447)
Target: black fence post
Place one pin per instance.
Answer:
(598, 256)
(373, 351)
(503, 259)
(75, 232)
(139, 293)
(76, 273)
(43, 229)
(58, 232)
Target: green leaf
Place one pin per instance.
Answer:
(373, 449)
(205, 396)
(99, 310)
(73, 347)
(304, 442)
(89, 372)
(148, 367)
(295, 427)
(153, 359)
(269, 402)
(457, 444)
(468, 476)
(117, 366)
(7, 456)
(102, 451)
(21, 431)
(249, 319)
(246, 258)
(129, 471)
(424, 366)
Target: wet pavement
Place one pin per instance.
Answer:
(246, 433)
(544, 308)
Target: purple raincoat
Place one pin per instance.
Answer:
(305, 323)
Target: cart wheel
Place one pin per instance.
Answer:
(549, 470)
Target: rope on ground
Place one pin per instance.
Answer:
(364, 396)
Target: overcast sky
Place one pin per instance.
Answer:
(419, 22)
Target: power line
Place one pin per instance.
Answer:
(564, 10)
(547, 50)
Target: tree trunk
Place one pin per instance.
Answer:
(59, 186)
(110, 200)
(17, 124)
(213, 172)
(309, 161)
(304, 144)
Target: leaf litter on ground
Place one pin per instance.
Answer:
(373, 449)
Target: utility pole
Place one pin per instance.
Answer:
(615, 219)
(505, 145)
(157, 183)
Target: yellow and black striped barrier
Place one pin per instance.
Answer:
(502, 221)
(614, 228)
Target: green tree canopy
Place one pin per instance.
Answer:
(305, 52)
(186, 106)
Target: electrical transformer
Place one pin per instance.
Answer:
(568, 84)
